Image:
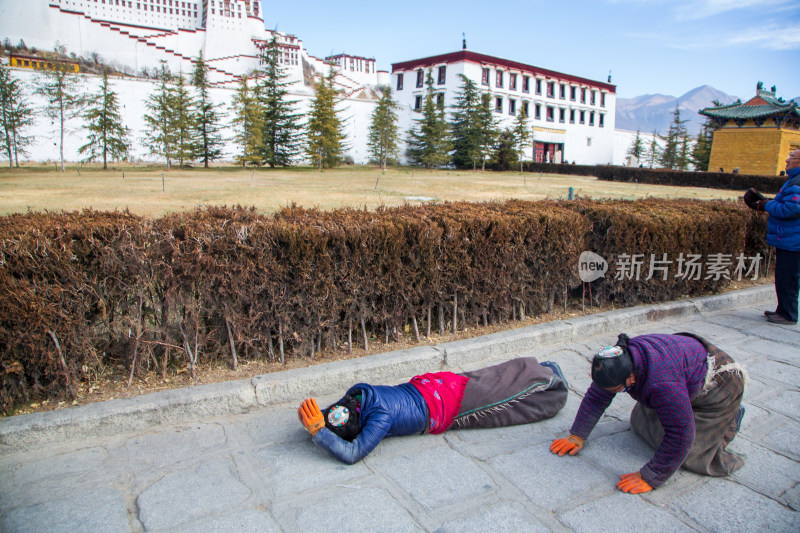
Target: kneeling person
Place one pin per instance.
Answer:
(519, 391)
(688, 395)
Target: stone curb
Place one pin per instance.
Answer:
(193, 403)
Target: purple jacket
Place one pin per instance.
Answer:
(670, 371)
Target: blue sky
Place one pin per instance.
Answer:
(650, 46)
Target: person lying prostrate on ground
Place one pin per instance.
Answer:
(519, 391)
(688, 395)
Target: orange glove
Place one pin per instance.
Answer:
(633, 484)
(311, 416)
(572, 444)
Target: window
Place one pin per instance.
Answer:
(512, 82)
(594, 93)
(400, 82)
(419, 78)
(551, 89)
(551, 114)
(562, 91)
(572, 93)
(601, 120)
(583, 95)
(526, 109)
(572, 116)
(582, 117)
(602, 99)
(588, 141)
(498, 105)
(526, 84)
(562, 114)
(591, 118)
(417, 102)
(538, 86)
(442, 74)
(537, 109)
(499, 80)
(512, 107)
(485, 76)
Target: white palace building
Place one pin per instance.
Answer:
(572, 118)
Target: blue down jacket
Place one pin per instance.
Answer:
(386, 411)
(783, 226)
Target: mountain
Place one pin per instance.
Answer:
(653, 112)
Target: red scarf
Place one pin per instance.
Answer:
(443, 392)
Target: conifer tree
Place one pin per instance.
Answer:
(383, 134)
(522, 135)
(248, 123)
(429, 141)
(209, 116)
(61, 89)
(486, 130)
(282, 141)
(671, 155)
(636, 149)
(16, 115)
(505, 155)
(108, 136)
(463, 124)
(184, 124)
(325, 132)
(653, 150)
(701, 152)
(160, 135)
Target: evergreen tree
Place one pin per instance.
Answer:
(486, 131)
(60, 88)
(248, 123)
(701, 152)
(184, 122)
(108, 136)
(636, 149)
(653, 153)
(325, 132)
(16, 115)
(429, 141)
(160, 135)
(462, 125)
(209, 116)
(522, 135)
(684, 153)
(382, 141)
(282, 129)
(671, 155)
(505, 155)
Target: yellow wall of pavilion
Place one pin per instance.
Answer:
(754, 150)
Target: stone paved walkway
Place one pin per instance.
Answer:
(257, 470)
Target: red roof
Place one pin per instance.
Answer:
(483, 59)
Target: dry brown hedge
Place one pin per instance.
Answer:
(84, 290)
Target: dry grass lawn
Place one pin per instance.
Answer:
(43, 188)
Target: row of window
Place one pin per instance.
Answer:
(550, 112)
(551, 87)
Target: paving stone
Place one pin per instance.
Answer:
(786, 402)
(305, 466)
(755, 418)
(486, 443)
(574, 367)
(776, 370)
(784, 438)
(765, 471)
(279, 424)
(101, 509)
(619, 454)
(440, 476)
(496, 517)
(774, 350)
(717, 334)
(619, 511)
(724, 505)
(172, 446)
(548, 480)
(372, 509)
(184, 496)
(62, 465)
(792, 497)
(755, 388)
(247, 521)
